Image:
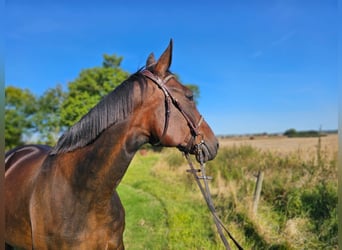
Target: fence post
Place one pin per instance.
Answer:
(257, 191)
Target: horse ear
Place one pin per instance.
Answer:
(164, 61)
(150, 60)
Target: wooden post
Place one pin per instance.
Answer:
(257, 191)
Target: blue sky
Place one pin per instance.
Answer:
(262, 66)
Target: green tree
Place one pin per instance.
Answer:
(89, 87)
(47, 119)
(20, 105)
(290, 132)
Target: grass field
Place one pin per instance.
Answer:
(305, 147)
(297, 210)
(162, 212)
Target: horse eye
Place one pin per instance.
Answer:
(190, 97)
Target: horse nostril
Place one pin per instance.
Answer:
(217, 145)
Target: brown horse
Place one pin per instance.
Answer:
(65, 197)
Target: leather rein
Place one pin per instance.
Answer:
(194, 129)
(207, 197)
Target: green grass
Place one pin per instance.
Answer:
(161, 211)
(146, 221)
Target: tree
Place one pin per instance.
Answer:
(47, 119)
(290, 132)
(20, 105)
(89, 87)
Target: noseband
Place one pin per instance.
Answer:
(169, 98)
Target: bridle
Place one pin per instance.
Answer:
(194, 133)
(170, 99)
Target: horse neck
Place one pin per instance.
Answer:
(101, 165)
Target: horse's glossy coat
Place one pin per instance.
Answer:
(65, 197)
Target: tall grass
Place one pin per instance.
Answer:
(299, 198)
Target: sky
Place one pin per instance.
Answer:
(261, 66)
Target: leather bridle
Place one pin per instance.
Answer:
(169, 98)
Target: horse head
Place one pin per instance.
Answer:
(176, 122)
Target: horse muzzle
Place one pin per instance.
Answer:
(205, 152)
(202, 150)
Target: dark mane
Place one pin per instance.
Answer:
(114, 107)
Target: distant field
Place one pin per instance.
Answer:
(305, 147)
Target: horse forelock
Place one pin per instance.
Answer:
(114, 107)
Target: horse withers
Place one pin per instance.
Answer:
(65, 197)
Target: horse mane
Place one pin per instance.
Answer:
(114, 107)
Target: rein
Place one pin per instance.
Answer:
(207, 197)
